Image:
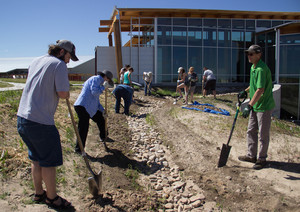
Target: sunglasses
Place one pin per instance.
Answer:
(250, 54)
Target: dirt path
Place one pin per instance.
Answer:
(196, 139)
(160, 158)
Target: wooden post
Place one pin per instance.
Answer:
(110, 43)
(118, 47)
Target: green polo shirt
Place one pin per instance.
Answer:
(260, 77)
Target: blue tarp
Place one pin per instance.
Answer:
(208, 110)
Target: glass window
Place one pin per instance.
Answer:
(290, 39)
(224, 23)
(237, 39)
(238, 67)
(224, 38)
(250, 24)
(164, 35)
(276, 23)
(179, 21)
(209, 37)
(163, 64)
(289, 60)
(249, 38)
(179, 36)
(261, 40)
(210, 59)
(195, 36)
(224, 65)
(271, 36)
(179, 60)
(195, 22)
(211, 23)
(164, 21)
(238, 24)
(195, 59)
(263, 24)
(147, 36)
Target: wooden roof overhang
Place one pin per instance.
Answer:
(125, 15)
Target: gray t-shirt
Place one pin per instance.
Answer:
(209, 75)
(46, 76)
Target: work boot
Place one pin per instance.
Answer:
(247, 159)
(260, 164)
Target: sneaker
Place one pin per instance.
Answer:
(247, 159)
(259, 164)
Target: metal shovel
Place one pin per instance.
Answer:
(226, 148)
(95, 182)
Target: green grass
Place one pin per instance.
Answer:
(13, 80)
(150, 119)
(164, 92)
(12, 98)
(5, 85)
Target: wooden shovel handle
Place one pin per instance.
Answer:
(106, 111)
(78, 138)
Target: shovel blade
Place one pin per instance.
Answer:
(224, 155)
(95, 184)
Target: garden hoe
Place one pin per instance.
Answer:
(95, 182)
(226, 148)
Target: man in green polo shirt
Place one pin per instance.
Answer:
(259, 108)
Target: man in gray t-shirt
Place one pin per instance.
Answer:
(47, 81)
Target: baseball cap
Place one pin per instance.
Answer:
(254, 49)
(68, 46)
(109, 75)
(179, 69)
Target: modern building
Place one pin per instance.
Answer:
(161, 40)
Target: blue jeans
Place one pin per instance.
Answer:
(146, 88)
(122, 93)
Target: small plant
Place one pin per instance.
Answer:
(76, 167)
(133, 175)
(70, 134)
(173, 112)
(21, 143)
(4, 195)
(150, 119)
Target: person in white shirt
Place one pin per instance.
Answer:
(147, 77)
(211, 81)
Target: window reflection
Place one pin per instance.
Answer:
(163, 64)
(194, 36)
(195, 58)
(179, 36)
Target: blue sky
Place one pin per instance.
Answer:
(27, 27)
